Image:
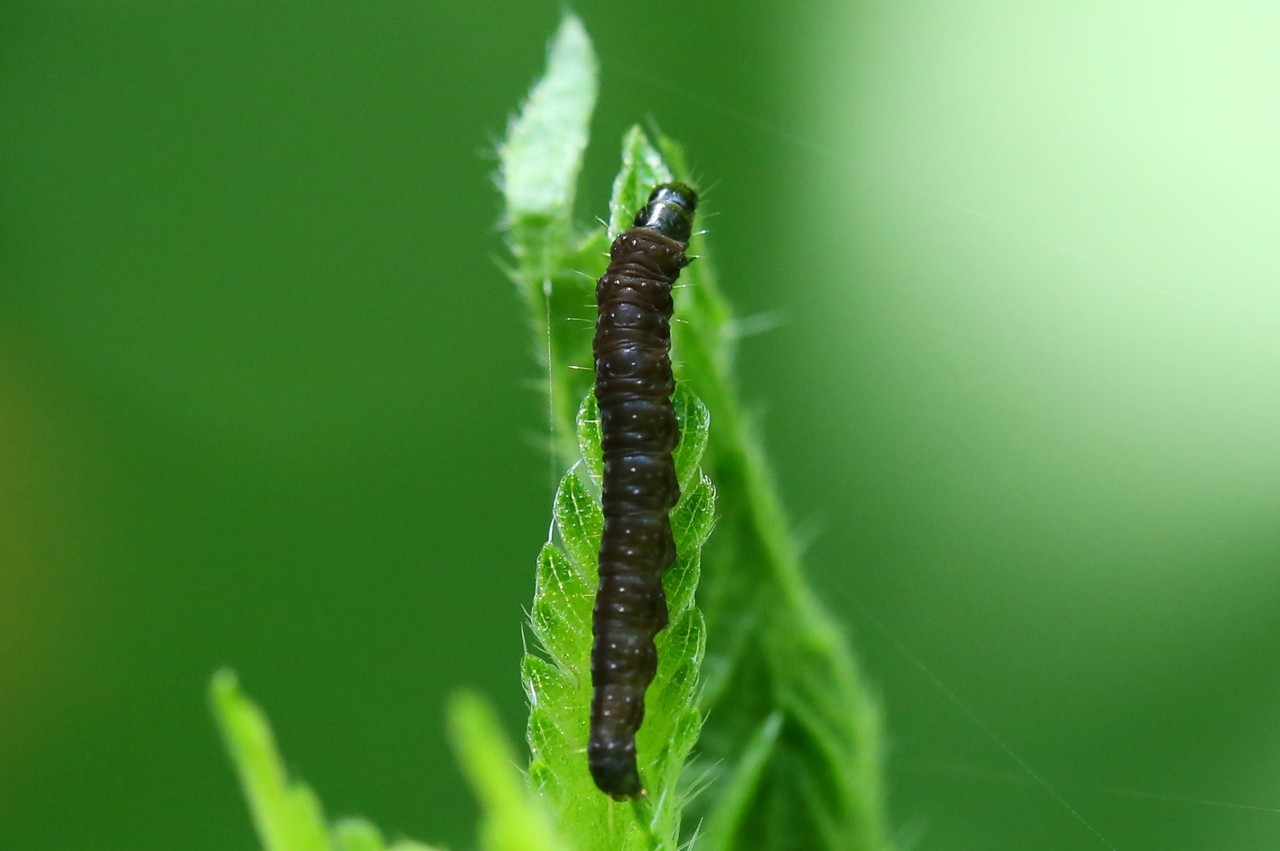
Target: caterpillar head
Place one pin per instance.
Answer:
(669, 211)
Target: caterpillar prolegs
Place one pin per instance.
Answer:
(639, 431)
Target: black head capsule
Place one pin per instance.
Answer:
(669, 211)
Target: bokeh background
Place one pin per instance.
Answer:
(266, 400)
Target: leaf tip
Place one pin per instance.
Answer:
(542, 153)
(223, 685)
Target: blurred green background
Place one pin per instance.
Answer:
(266, 400)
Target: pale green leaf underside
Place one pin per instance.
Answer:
(543, 150)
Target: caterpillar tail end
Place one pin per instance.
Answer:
(616, 775)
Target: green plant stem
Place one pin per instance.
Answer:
(772, 645)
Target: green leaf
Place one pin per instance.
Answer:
(561, 603)
(355, 834)
(693, 437)
(559, 686)
(542, 154)
(590, 440)
(287, 814)
(554, 265)
(513, 819)
(578, 513)
(691, 523)
(739, 790)
(642, 169)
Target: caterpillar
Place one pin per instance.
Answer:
(639, 431)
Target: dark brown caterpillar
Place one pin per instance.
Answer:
(639, 432)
